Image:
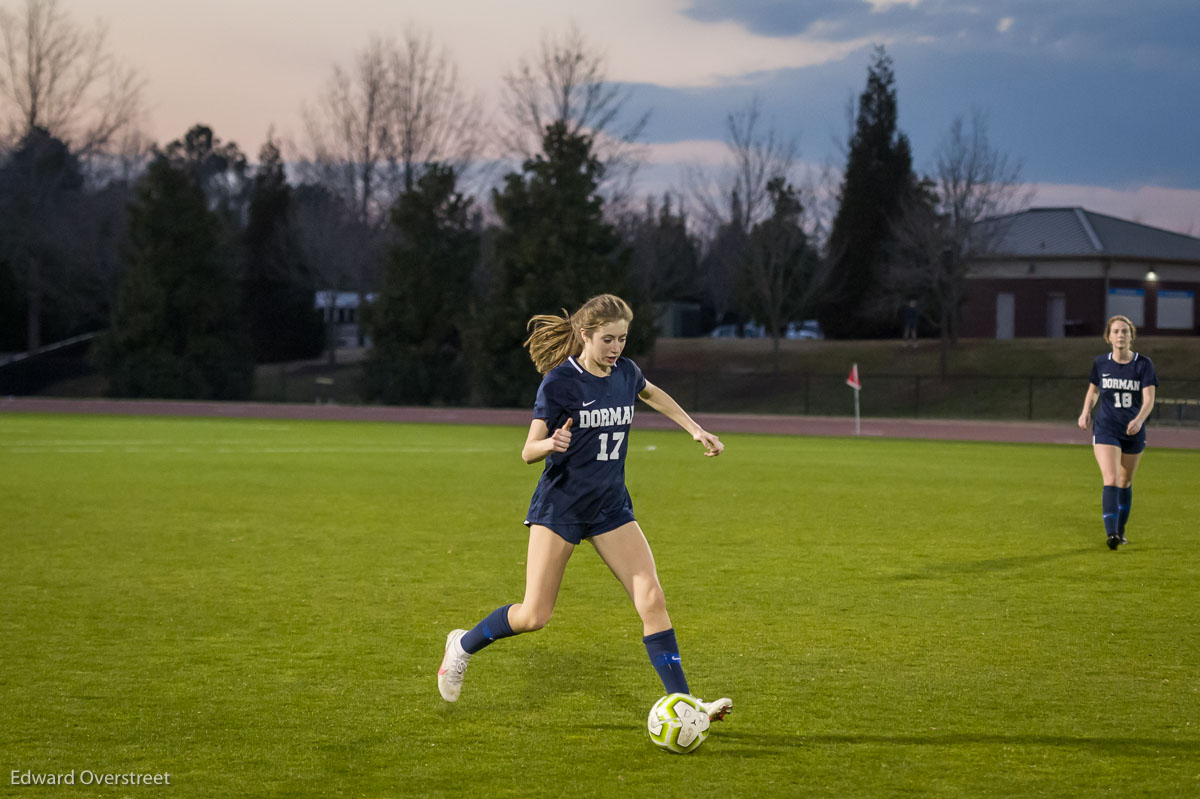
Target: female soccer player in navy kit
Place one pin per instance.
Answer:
(1123, 383)
(580, 428)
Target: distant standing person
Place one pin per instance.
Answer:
(1123, 382)
(581, 496)
(910, 323)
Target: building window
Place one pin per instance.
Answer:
(1128, 302)
(1176, 310)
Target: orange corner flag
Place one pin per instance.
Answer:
(853, 380)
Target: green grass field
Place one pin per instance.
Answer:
(259, 609)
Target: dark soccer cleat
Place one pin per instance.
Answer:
(1114, 541)
(1122, 537)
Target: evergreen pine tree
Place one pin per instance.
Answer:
(41, 197)
(554, 251)
(721, 261)
(176, 331)
(417, 322)
(665, 262)
(277, 292)
(878, 177)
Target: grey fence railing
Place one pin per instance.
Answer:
(1027, 397)
(1179, 411)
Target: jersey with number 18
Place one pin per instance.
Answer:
(587, 482)
(1120, 387)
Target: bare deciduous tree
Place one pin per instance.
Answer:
(377, 125)
(58, 83)
(351, 147)
(567, 81)
(756, 156)
(59, 76)
(437, 120)
(779, 268)
(374, 130)
(733, 201)
(952, 219)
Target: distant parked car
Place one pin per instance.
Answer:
(724, 331)
(809, 328)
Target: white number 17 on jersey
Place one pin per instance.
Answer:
(605, 453)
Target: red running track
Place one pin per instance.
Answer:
(1164, 436)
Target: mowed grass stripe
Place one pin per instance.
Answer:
(891, 617)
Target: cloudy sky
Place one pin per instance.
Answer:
(1096, 97)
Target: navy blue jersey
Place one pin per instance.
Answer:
(1120, 387)
(587, 482)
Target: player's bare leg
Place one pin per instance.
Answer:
(545, 564)
(544, 567)
(627, 554)
(1108, 458)
(1129, 464)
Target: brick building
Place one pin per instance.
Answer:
(1055, 272)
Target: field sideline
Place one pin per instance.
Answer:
(257, 607)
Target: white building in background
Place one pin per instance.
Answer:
(342, 310)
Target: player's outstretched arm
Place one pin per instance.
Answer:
(541, 442)
(662, 402)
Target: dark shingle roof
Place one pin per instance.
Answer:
(1076, 232)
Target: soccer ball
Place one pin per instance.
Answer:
(678, 724)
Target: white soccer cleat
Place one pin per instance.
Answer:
(717, 710)
(454, 667)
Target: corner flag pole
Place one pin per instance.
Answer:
(855, 384)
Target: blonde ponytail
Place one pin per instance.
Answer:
(553, 339)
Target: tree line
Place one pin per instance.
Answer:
(199, 264)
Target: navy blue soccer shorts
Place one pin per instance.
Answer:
(575, 533)
(1130, 445)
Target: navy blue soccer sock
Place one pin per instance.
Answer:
(1124, 505)
(1108, 506)
(494, 627)
(664, 655)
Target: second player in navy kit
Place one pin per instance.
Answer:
(580, 429)
(1122, 388)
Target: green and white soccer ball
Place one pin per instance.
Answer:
(678, 724)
